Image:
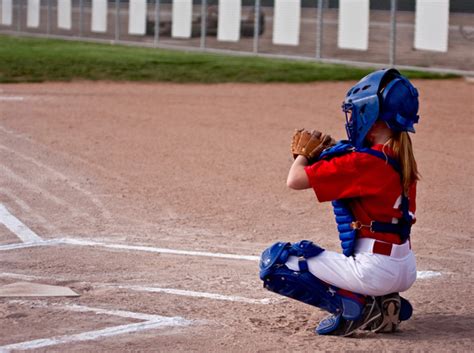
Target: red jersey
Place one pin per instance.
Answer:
(372, 185)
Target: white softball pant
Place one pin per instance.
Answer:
(364, 273)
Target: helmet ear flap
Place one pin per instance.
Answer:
(387, 87)
(399, 105)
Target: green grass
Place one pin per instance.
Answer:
(25, 59)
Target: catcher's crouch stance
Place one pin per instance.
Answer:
(371, 181)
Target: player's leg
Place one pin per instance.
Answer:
(394, 307)
(371, 274)
(365, 273)
(350, 311)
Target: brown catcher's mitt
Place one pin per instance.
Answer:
(310, 144)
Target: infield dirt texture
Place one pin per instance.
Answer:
(138, 168)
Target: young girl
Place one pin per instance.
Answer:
(371, 181)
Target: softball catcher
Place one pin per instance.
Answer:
(371, 181)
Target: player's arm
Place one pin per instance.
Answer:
(297, 177)
(306, 147)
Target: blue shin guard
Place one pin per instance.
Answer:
(302, 285)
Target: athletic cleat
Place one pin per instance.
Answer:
(370, 314)
(390, 305)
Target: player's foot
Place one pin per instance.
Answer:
(336, 325)
(390, 305)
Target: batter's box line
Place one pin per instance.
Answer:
(31, 239)
(149, 322)
(126, 247)
(152, 289)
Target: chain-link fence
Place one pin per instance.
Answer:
(391, 28)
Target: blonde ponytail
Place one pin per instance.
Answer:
(401, 145)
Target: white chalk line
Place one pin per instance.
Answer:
(24, 277)
(11, 98)
(25, 234)
(188, 293)
(87, 309)
(85, 336)
(149, 322)
(80, 242)
(27, 209)
(17, 246)
(427, 274)
(153, 289)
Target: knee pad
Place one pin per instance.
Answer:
(278, 254)
(274, 256)
(302, 285)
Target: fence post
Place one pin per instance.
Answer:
(393, 32)
(157, 22)
(203, 23)
(256, 27)
(319, 37)
(156, 38)
(81, 18)
(48, 20)
(18, 25)
(117, 20)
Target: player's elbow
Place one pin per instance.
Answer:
(297, 181)
(290, 182)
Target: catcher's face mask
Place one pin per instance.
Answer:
(350, 126)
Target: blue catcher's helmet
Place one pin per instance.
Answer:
(383, 94)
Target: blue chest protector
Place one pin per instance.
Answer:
(347, 225)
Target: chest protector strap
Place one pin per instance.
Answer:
(347, 225)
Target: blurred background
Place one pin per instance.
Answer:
(427, 34)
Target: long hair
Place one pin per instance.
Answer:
(402, 146)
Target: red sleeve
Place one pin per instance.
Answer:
(334, 179)
(349, 176)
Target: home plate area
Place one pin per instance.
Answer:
(54, 318)
(112, 323)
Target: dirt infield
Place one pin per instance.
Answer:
(141, 193)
